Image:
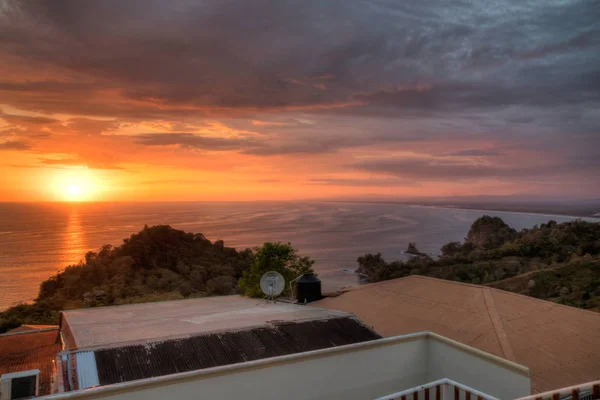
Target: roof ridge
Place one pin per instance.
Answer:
(503, 339)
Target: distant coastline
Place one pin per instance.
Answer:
(333, 234)
(545, 210)
(512, 210)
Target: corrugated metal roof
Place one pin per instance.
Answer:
(559, 344)
(30, 350)
(106, 326)
(128, 363)
(87, 373)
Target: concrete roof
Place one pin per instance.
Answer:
(558, 343)
(135, 323)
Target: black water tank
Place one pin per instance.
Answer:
(308, 288)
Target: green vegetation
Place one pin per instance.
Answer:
(557, 262)
(279, 257)
(158, 263)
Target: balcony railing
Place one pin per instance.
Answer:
(585, 391)
(443, 389)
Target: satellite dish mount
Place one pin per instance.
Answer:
(272, 284)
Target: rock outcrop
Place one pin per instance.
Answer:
(489, 233)
(412, 249)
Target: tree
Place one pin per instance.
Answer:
(185, 289)
(370, 263)
(279, 257)
(451, 249)
(155, 263)
(220, 285)
(490, 232)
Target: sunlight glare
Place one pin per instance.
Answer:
(75, 185)
(74, 189)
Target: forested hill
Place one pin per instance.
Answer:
(557, 262)
(157, 263)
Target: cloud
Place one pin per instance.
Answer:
(81, 162)
(15, 145)
(474, 153)
(439, 170)
(25, 119)
(266, 56)
(174, 182)
(189, 140)
(354, 80)
(297, 147)
(89, 126)
(249, 145)
(362, 182)
(270, 123)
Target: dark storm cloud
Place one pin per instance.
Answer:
(460, 96)
(270, 55)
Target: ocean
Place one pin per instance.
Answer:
(39, 240)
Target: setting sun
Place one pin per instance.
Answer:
(74, 189)
(77, 184)
(74, 192)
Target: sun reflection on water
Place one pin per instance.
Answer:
(75, 243)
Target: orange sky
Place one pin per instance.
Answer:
(111, 165)
(168, 102)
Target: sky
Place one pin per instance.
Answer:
(252, 100)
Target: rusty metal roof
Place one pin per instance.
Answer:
(122, 364)
(30, 350)
(558, 343)
(115, 326)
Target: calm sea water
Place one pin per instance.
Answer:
(38, 240)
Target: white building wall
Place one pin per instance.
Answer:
(360, 371)
(474, 368)
(364, 373)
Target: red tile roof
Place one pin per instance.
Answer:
(30, 350)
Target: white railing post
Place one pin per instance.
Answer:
(449, 385)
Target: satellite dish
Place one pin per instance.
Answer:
(272, 284)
